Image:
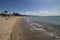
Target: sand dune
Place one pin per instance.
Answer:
(9, 27)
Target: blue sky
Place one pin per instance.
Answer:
(31, 7)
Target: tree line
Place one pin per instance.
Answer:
(5, 13)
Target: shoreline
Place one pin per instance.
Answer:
(33, 31)
(20, 28)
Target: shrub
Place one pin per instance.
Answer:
(16, 14)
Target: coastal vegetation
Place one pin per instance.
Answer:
(5, 13)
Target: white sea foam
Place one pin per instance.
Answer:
(46, 32)
(38, 24)
(57, 36)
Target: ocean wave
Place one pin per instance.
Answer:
(36, 26)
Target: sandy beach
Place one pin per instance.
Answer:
(19, 28)
(9, 27)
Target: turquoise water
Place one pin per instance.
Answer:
(50, 21)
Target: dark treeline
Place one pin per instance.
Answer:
(5, 13)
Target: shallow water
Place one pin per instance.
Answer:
(50, 21)
(35, 29)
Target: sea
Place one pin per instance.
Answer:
(47, 25)
(50, 21)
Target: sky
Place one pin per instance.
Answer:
(32, 7)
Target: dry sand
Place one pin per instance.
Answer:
(9, 28)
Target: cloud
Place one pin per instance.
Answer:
(39, 13)
(29, 13)
(42, 13)
(32, 13)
